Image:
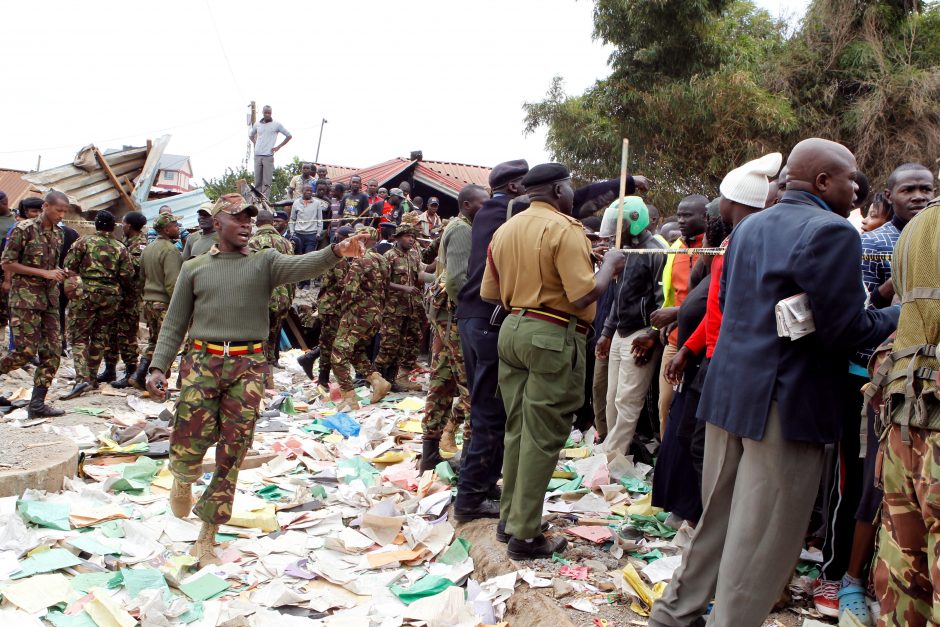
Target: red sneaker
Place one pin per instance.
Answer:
(826, 597)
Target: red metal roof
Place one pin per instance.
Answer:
(448, 177)
(335, 172)
(12, 183)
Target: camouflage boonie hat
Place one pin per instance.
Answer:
(233, 204)
(410, 218)
(163, 220)
(406, 229)
(373, 234)
(74, 287)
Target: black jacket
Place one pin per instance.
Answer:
(639, 290)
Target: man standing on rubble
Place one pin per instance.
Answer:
(160, 265)
(225, 294)
(264, 135)
(31, 260)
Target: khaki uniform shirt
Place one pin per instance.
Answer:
(540, 258)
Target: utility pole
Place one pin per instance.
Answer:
(252, 118)
(317, 158)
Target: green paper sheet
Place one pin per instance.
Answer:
(136, 476)
(194, 613)
(648, 557)
(637, 486)
(457, 552)
(572, 485)
(445, 473)
(270, 493)
(111, 528)
(204, 588)
(361, 469)
(84, 582)
(46, 562)
(82, 619)
(316, 427)
(318, 491)
(91, 545)
(137, 579)
(427, 586)
(651, 525)
(45, 514)
(91, 411)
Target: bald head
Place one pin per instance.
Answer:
(826, 169)
(264, 217)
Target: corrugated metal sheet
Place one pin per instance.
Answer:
(448, 178)
(14, 186)
(184, 207)
(93, 191)
(385, 172)
(460, 173)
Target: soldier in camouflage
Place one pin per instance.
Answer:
(907, 568)
(123, 328)
(267, 237)
(364, 289)
(401, 320)
(104, 267)
(330, 306)
(225, 294)
(30, 259)
(160, 266)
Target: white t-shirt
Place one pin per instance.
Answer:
(266, 136)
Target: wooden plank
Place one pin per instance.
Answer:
(114, 180)
(296, 331)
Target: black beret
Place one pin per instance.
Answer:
(280, 215)
(104, 221)
(546, 173)
(507, 171)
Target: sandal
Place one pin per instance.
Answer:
(852, 599)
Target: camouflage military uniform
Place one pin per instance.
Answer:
(330, 308)
(907, 568)
(104, 266)
(401, 319)
(217, 406)
(363, 293)
(268, 237)
(448, 379)
(122, 331)
(34, 301)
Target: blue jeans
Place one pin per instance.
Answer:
(483, 460)
(308, 242)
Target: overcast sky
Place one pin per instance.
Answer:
(448, 78)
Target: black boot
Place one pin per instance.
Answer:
(430, 454)
(80, 388)
(108, 374)
(324, 379)
(123, 382)
(306, 362)
(38, 407)
(138, 380)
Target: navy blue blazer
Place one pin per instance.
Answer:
(796, 246)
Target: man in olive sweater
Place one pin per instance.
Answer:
(225, 293)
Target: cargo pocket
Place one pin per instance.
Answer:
(548, 354)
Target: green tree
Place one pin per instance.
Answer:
(225, 183)
(700, 86)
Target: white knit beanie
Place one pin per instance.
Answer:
(749, 184)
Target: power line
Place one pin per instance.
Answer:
(218, 37)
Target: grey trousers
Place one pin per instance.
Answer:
(264, 173)
(757, 498)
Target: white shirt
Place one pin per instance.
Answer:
(265, 136)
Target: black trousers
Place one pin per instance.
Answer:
(483, 460)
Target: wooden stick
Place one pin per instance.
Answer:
(114, 181)
(623, 187)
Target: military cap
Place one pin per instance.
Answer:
(433, 201)
(233, 204)
(396, 192)
(545, 173)
(372, 233)
(280, 215)
(205, 208)
(507, 171)
(163, 220)
(345, 230)
(712, 207)
(406, 229)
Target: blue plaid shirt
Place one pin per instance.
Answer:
(875, 273)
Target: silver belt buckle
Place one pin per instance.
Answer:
(225, 347)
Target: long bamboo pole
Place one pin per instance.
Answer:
(623, 187)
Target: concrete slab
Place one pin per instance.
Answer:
(41, 465)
